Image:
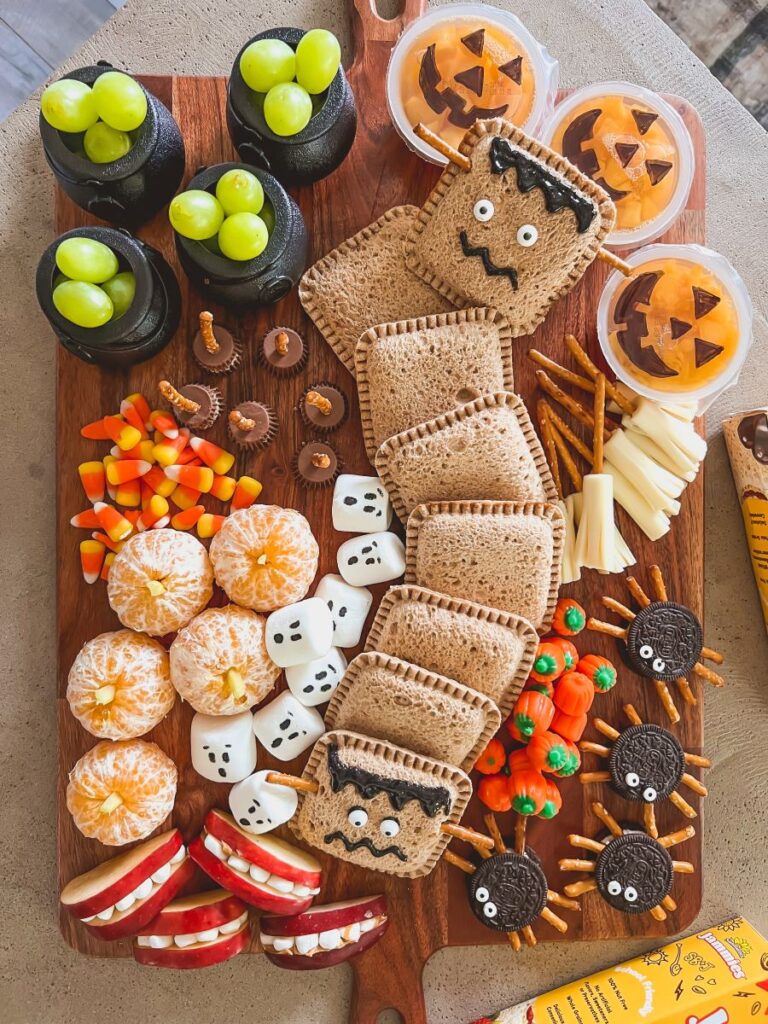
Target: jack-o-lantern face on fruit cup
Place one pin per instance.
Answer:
(467, 63)
(679, 327)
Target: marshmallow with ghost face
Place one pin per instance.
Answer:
(360, 504)
(349, 607)
(223, 746)
(259, 806)
(286, 727)
(315, 681)
(371, 558)
(299, 632)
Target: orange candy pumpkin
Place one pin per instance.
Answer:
(549, 663)
(553, 803)
(572, 761)
(493, 791)
(528, 789)
(547, 752)
(492, 759)
(518, 760)
(570, 727)
(533, 713)
(600, 670)
(569, 618)
(574, 693)
(570, 654)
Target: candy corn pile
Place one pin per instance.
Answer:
(546, 723)
(153, 463)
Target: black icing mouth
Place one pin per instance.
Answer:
(365, 843)
(491, 269)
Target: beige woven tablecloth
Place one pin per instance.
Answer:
(41, 980)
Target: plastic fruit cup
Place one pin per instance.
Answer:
(465, 64)
(132, 189)
(650, 186)
(148, 324)
(680, 327)
(313, 152)
(266, 278)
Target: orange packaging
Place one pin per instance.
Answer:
(719, 976)
(746, 438)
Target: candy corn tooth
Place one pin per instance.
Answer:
(91, 559)
(85, 520)
(159, 482)
(219, 460)
(200, 478)
(113, 523)
(92, 477)
(246, 492)
(128, 494)
(167, 452)
(209, 524)
(123, 434)
(109, 558)
(223, 487)
(184, 497)
(154, 513)
(95, 431)
(161, 420)
(188, 517)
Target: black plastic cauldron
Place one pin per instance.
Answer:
(266, 278)
(147, 325)
(132, 189)
(313, 152)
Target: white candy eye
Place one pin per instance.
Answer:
(389, 827)
(646, 651)
(481, 894)
(527, 235)
(490, 910)
(483, 210)
(632, 779)
(659, 665)
(630, 894)
(614, 888)
(357, 817)
(649, 794)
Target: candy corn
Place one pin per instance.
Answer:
(111, 489)
(143, 450)
(140, 404)
(92, 478)
(95, 431)
(185, 497)
(159, 482)
(108, 560)
(116, 526)
(91, 559)
(85, 520)
(164, 422)
(200, 478)
(128, 494)
(154, 514)
(223, 487)
(209, 524)
(123, 434)
(188, 517)
(167, 452)
(132, 515)
(102, 538)
(122, 470)
(133, 416)
(219, 460)
(246, 492)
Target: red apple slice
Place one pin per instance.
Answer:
(328, 957)
(196, 913)
(200, 912)
(266, 851)
(129, 922)
(329, 915)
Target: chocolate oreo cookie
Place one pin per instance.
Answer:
(646, 763)
(664, 641)
(634, 873)
(508, 891)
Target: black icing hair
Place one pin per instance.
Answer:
(400, 791)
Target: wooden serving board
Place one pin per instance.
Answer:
(379, 173)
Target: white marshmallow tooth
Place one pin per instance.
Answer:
(179, 855)
(212, 844)
(281, 884)
(125, 903)
(143, 890)
(105, 915)
(306, 943)
(208, 936)
(182, 941)
(233, 926)
(162, 874)
(238, 863)
(156, 941)
(259, 875)
(352, 932)
(330, 939)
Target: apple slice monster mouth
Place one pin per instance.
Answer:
(491, 268)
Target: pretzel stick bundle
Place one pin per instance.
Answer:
(569, 568)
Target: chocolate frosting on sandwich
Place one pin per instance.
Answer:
(432, 799)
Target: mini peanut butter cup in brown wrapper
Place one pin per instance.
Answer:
(746, 438)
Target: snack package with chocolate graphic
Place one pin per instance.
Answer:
(746, 438)
(719, 976)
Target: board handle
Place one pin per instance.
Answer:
(383, 982)
(368, 27)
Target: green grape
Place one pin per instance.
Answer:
(267, 62)
(267, 214)
(69, 106)
(243, 236)
(121, 289)
(104, 144)
(287, 108)
(59, 278)
(82, 303)
(120, 101)
(85, 259)
(318, 57)
(195, 214)
(239, 191)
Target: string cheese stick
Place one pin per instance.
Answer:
(652, 521)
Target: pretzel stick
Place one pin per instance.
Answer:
(599, 430)
(557, 922)
(698, 760)
(669, 904)
(580, 888)
(694, 785)
(637, 592)
(584, 383)
(594, 748)
(561, 901)
(237, 419)
(607, 819)
(177, 400)
(320, 402)
(452, 155)
(459, 862)
(605, 729)
(612, 260)
(659, 586)
(616, 606)
(576, 409)
(589, 777)
(571, 468)
(666, 699)
(683, 867)
(580, 355)
(573, 864)
(682, 805)
(708, 674)
(548, 440)
(559, 424)
(675, 838)
(632, 715)
(493, 830)
(530, 938)
(710, 655)
(293, 782)
(468, 835)
(596, 626)
(685, 691)
(649, 819)
(206, 333)
(658, 913)
(514, 941)
(520, 827)
(583, 843)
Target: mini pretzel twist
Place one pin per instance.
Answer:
(320, 402)
(177, 400)
(241, 422)
(281, 343)
(206, 332)
(320, 460)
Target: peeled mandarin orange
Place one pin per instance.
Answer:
(264, 557)
(120, 791)
(160, 580)
(119, 686)
(219, 662)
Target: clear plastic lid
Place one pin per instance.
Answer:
(680, 327)
(633, 144)
(466, 62)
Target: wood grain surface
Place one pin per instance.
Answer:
(379, 173)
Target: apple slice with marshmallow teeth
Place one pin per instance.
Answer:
(200, 930)
(326, 935)
(119, 896)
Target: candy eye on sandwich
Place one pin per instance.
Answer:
(358, 817)
(483, 210)
(527, 235)
(389, 827)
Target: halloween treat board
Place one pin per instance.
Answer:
(380, 173)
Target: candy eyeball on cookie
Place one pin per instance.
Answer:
(315, 682)
(360, 504)
(223, 746)
(259, 806)
(349, 607)
(287, 728)
(299, 632)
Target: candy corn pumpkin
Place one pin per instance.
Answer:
(549, 663)
(570, 654)
(493, 791)
(533, 713)
(574, 693)
(492, 758)
(547, 752)
(569, 618)
(553, 802)
(528, 790)
(599, 670)
(570, 727)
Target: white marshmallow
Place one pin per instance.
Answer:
(143, 889)
(258, 874)
(330, 939)
(285, 727)
(223, 747)
(185, 940)
(179, 855)
(299, 632)
(162, 874)
(238, 863)
(259, 806)
(373, 558)
(349, 607)
(305, 943)
(125, 903)
(360, 504)
(208, 936)
(315, 682)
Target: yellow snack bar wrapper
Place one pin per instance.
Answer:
(719, 976)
